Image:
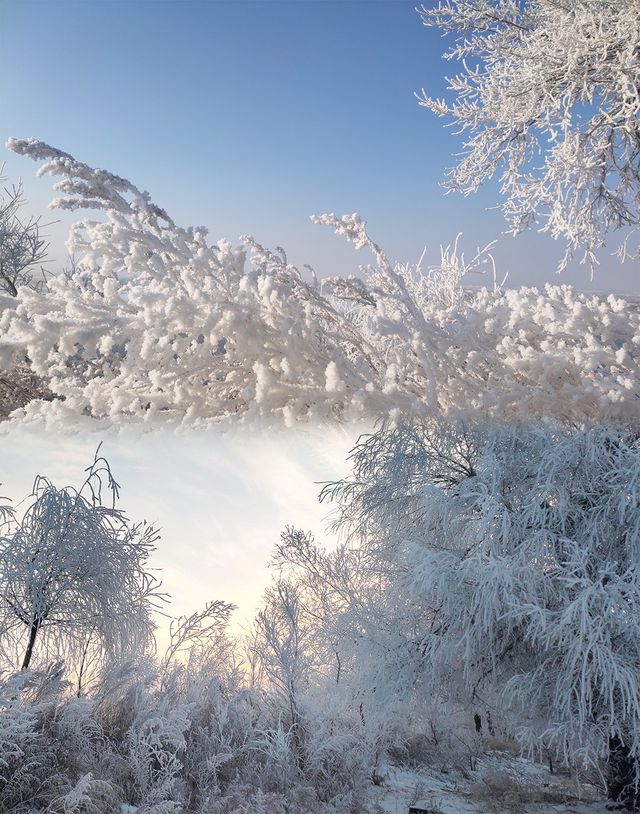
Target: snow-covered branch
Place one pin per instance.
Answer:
(547, 100)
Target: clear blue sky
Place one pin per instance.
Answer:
(249, 116)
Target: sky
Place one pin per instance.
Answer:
(248, 117)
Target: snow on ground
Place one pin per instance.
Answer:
(500, 783)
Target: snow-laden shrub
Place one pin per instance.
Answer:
(156, 745)
(201, 746)
(152, 322)
(48, 743)
(88, 796)
(23, 766)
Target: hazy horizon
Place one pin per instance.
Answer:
(219, 517)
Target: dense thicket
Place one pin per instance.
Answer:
(509, 567)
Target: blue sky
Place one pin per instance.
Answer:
(249, 116)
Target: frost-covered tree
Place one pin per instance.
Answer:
(154, 323)
(515, 550)
(74, 574)
(320, 736)
(344, 592)
(195, 637)
(284, 644)
(22, 246)
(548, 100)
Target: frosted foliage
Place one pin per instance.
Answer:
(514, 550)
(207, 744)
(361, 640)
(98, 723)
(366, 654)
(152, 322)
(18, 387)
(547, 100)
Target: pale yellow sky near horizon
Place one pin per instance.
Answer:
(219, 497)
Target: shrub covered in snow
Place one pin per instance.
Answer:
(152, 322)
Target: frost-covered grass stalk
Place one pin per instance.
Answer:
(154, 323)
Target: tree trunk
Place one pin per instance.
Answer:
(33, 632)
(8, 286)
